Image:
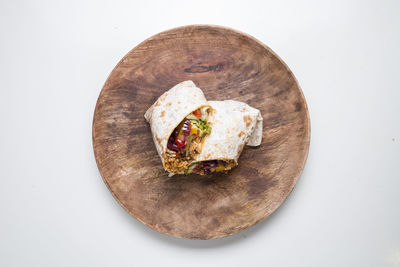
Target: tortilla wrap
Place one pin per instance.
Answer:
(170, 109)
(235, 124)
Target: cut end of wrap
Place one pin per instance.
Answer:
(148, 114)
(256, 136)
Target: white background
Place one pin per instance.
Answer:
(55, 209)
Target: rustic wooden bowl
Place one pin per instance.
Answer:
(226, 64)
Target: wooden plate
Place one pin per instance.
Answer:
(226, 64)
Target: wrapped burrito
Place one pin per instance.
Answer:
(235, 124)
(179, 125)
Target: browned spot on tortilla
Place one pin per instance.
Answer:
(162, 114)
(158, 140)
(241, 134)
(169, 104)
(240, 148)
(247, 120)
(179, 102)
(157, 104)
(163, 97)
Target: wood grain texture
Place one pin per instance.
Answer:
(226, 64)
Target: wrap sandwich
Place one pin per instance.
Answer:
(235, 124)
(179, 125)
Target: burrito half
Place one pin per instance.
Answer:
(179, 125)
(235, 124)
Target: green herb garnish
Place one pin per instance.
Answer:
(202, 125)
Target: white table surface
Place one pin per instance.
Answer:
(55, 209)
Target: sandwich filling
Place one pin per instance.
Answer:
(186, 140)
(210, 166)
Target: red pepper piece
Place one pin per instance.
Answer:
(180, 143)
(197, 113)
